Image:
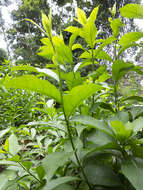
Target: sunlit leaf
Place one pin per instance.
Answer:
(30, 82)
(122, 131)
(14, 146)
(130, 37)
(93, 15)
(81, 16)
(29, 68)
(120, 68)
(90, 121)
(77, 95)
(132, 11)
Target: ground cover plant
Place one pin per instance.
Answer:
(84, 134)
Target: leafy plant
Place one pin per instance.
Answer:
(87, 136)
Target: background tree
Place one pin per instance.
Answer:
(25, 38)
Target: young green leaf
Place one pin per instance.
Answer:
(97, 124)
(72, 39)
(46, 52)
(40, 171)
(72, 29)
(47, 24)
(113, 10)
(132, 11)
(93, 15)
(29, 68)
(14, 147)
(122, 131)
(77, 46)
(97, 54)
(63, 52)
(53, 161)
(120, 68)
(89, 32)
(81, 16)
(6, 145)
(116, 24)
(130, 37)
(77, 95)
(30, 82)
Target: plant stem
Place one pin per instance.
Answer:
(69, 132)
(30, 173)
(116, 97)
(67, 122)
(93, 80)
(27, 170)
(115, 83)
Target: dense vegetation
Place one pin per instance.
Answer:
(62, 129)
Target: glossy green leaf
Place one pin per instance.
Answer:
(133, 170)
(40, 171)
(14, 146)
(116, 24)
(77, 46)
(100, 174)
(72, 29)
(136, 111)
(138, 125)
(104, 105)
(53, 161)
(27, 164)
(15, 158)
(46, 52)
(120, 68)
(6, 145)
(30, 82)
(122, 49)
(136, 98)
(96, 55)
(81, 65)
(122, 131)
(72, 79)
(63, 52)
(90, 121)
(130, 37)
(89, 32)
(72, 39)
(61, 180)
(103, 77)
(137, 150)
(81, 16)
(47, 23)
(113, 10)
(132, 11)
(93, 15)
(29, 68)
(77, 95)
(109, 146)
(2, 152)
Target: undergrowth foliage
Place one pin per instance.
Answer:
(88, 136)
